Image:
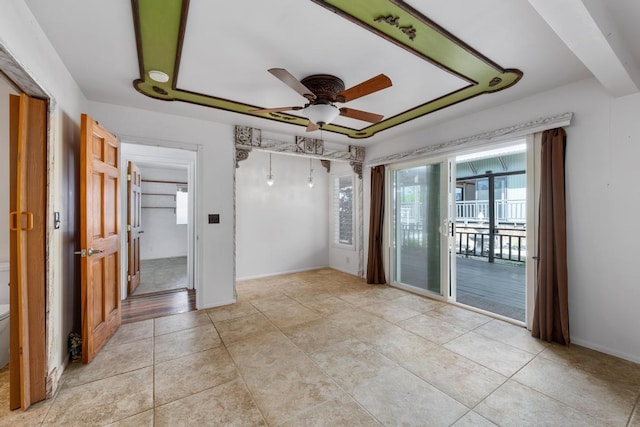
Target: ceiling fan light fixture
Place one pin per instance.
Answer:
(158, 76)
(321, 114)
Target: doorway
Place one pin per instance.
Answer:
(460, 225)
(165, 279)
(490, 222)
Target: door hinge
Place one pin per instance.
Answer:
(128, 227)
(128, 177)
(128, 277)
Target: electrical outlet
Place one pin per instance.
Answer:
(348, 260)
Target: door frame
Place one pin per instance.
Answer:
(164, 153)
(532, 195)
(14, 72)
(449, 270)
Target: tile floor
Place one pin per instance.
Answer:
(322, 348)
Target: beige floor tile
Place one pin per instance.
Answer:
(110, 361)
(243, 327)
(181, 343)
(459, 317)
(472, 419)
(511, 334)
(635, 417)
(343, 411)
(260, 353)
(493, 354)
(390, 312)
(596, 396)
(291, 315)
(232, 311)
(433, 329)
(180, 322)
(284, 390)
(131, 332)
(514, 404)
(316, 335)
(362, 297)
(464, 380)
(104, 401)
(400, 345)
(144, 419)
(418, 303)
(352, 362)
(326, 306)
(275, 302)
(358, 321)
(32, 417)
(226, 405)
(397, 397)
(178, 378)
(599, 364)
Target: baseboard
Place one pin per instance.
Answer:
(630, 357)
(219, 304)
(344, 271)
(279, 273)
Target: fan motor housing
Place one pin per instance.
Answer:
(324, 86)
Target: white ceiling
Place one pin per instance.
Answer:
(229, 46)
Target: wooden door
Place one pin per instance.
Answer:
(99, 236)
(28, 184)
(134, 224)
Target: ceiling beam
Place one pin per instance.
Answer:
(587, 28)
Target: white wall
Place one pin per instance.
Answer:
(162, 237)
(214, 194)
(283, 228)
(21, 35)
(342, 257)
(5, 91)
(603, 145)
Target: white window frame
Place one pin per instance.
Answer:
(335, 239)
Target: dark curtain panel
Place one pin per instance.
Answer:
(375, 268)
(551, 313)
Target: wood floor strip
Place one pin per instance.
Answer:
(150, 306)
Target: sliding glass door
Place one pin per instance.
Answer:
(419, 205)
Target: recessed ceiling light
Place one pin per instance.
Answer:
(158, 76)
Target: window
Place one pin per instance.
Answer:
(343, 210)
(182, 205)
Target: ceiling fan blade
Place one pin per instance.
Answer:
(274, 110)
(372, 85)
(312, 126)
(295, 84)
(361, 115)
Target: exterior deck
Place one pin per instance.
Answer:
(498, 288)
(495, 287)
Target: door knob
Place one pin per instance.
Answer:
(92, 251)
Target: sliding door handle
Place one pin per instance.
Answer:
(29, 226)
(13, 221)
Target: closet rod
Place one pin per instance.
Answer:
(164, 182)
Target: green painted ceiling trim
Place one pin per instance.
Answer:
(160, 24)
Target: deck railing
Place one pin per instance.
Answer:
(510, 244)
(507, 211)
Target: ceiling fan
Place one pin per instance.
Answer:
(322, 91)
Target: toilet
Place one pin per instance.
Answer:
(4, 335)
